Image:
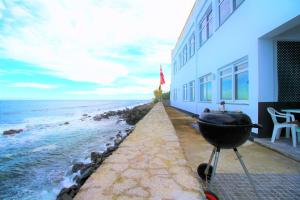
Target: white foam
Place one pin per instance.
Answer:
(46, 147)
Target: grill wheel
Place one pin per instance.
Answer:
(210, 195)
(201, 170)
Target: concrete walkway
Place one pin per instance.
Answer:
(149, 164)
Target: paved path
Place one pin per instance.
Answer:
(149, 164)
(275, 176)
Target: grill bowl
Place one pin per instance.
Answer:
(224, 136)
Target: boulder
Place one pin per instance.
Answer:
(67, 193)
(84, 174)
(118, 140)
(77, 166)
(96, 157)
(12, 131)
(111, 138)
(108, 151)
(97, 118)
(66, 123)
(132, 116)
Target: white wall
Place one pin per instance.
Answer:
(240, 36)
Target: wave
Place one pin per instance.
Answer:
(45, 147)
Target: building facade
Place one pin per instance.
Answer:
(243, 52)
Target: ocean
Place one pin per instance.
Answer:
(36, 163)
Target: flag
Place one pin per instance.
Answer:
(162, 78)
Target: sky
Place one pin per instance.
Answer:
(87, 49)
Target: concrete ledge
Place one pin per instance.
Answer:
(149, 164)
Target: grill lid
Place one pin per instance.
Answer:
(225, 118)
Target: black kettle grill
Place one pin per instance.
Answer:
(227, 130)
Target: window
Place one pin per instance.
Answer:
(192, 45)
(185, 54)
(225, 9)
(185, 95)
(192, 91)
(226, 84)
(241, 82)
(206, 27)
(206, 88)
(234, 82)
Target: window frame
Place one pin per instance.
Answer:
(206, 20)
(236, 72)
(208, 78)
(191, 87)
(185, 54)
(185, 92)
(233, 74)
(219, 11)
(233, 8)
(192, 45)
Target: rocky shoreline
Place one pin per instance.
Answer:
(84, 170)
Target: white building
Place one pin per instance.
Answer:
(243, 52)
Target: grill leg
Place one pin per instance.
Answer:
(244, 167)
(215, 162)
(217, 152)
(210, 160)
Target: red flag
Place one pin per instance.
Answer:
(162, 78)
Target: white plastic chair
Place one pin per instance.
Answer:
(278, 126)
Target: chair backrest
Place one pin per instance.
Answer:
(271, 111)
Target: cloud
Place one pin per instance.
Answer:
(34, 85)
(71, 38)
(115, 91)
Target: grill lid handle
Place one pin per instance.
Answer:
(259, 126)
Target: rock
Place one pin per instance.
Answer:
(111, 138)
(67, 193)
(86, 168)
(111, 148)
(85, 115)
(105, 116)
(78, 166)
(118, 140)
(96, 157)
(108, 151)
(84, 174)
(132, 116)
(12, 131)
(119, 121)
(119, 134)
(66, 123)
(97, 118)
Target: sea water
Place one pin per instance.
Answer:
(35, 164)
